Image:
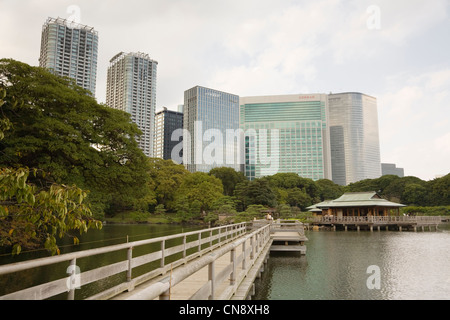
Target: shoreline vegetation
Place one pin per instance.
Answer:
(68, 163)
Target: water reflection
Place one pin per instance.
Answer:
(413, 265)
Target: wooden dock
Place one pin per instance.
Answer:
(288, 236)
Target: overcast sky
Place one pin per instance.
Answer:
(395, 50)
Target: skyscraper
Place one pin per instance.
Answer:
(211, 119)
(70, 49)
(131, 87)
(355, 146)
(287, 133)
(166, 122)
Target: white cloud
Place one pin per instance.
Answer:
(413, 117)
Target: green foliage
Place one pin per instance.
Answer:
(59, 128)
(256, 192)
(426, 211)
(284, 211)
(229, 177)
(254, 211)
(31, 215)
(197, 194)
(407, 190)
(165, 179)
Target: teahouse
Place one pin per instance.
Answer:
(357, 204)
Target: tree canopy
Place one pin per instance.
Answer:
(59, 128)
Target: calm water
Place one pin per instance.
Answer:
(412, 266)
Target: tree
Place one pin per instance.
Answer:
(329, 190)
(293, 180)
(439, 191)
(59, 128)
(298, 198)
(197, 193)
(229, 177)
(31, 216)
(165, 179)
(256, 192)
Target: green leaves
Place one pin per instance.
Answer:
(67, 134)
(47, 213)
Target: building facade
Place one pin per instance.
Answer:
(166, 122)
(287, 133)
(211, 123)
(131, 87)
(391, 168)
(71, 50)
(354, 137)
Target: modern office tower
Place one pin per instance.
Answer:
(166, 122)
(391, 168)
(69, 49)
(211, 118)
(131, 87)
(354, 138)
(287, 133)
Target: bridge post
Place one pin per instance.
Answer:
(233, 266)
(252, 247)
(184, 248)
(210, 239)
(163, 245)
(71, 294)
(211, 278)
(129, 258)
(244, 250)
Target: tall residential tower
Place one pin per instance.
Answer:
(131, 87)
(70, 49)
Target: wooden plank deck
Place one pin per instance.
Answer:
(228, 272)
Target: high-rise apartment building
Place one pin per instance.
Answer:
(166, 122)
(131, 87)
(355, 147)
(211, 123)
(287, 133)
(70, 49)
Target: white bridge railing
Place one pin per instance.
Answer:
(379, 219)
(180, 247)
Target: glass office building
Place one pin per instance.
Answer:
(355, 147)
(71, 50)
(166, 122)
(286, 133)
(211, 123)
(131, 87)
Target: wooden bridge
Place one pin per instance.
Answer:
(218, 263)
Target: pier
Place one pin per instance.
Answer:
(219, 263)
